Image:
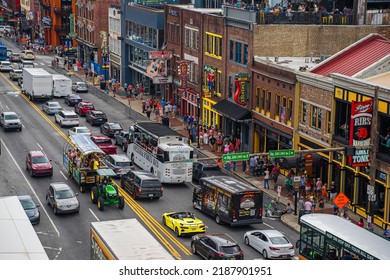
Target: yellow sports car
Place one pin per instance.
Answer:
(183, 223)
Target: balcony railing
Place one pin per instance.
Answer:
(64, 11)
(62, 29)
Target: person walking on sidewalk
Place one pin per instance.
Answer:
(266, 178)
(275, 173)
(333, 191)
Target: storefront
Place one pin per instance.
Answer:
(210, 117)
(189, 103)
(115, 66)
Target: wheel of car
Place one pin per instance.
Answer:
(164, 221)
(82, 190)
(121, 203)
(100, 203)
(177, 232)
(124, 147)
(218, 219)
(55, 210)
(47, 200)
(31, 172)
(265, 254)
(61, 124)
(193, 248)
(101, 130)
(20, 129)
(116, 141)
(246, 240)
(134, 195)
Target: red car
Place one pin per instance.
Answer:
(105, 143)
(82, 108)
(38, 164)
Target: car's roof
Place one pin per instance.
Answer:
(271, 232)
(101, 137)
(81, 127)
(60, 186)
(78, 83)
(74, 96)
(69, 112)
(222, 239)
(85, 103)
(37, 153)
(9, 113)
(144, 175)
(53, 102)
(120, 158)
(113, 123)
(5, 62)
(97, 112)
(25, 197)
(17, 70)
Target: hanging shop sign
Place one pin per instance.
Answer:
(241, 93)
(360, 132)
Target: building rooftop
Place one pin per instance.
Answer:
(294, 63)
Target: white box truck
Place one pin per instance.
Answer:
(125, 239)
(37, 84)
(62, 85)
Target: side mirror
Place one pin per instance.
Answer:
(298, 244)
(37, 205)
(77, 194)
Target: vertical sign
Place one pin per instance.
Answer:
(241, 94)
(360, 132)
(72, 31)
(182, 71)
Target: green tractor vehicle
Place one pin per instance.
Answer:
(106, 193)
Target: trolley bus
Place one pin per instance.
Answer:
(330, 237)
(164, 152)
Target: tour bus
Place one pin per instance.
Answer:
(84, 161)
(229, 200)
(330, 237)
(164, 152)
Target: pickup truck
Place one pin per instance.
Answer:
(121, 139)
(206, 168)
(105, 143)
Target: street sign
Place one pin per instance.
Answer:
(341, 200)
(281, 153)
(235, 157)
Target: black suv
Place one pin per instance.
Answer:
(142, 184)
(216, 247)
(96, 117)
(206, 168)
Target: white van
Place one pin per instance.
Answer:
(26, 64)
(5, 28)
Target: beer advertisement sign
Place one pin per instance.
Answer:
(360, 132)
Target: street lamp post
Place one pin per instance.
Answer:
(198, 117)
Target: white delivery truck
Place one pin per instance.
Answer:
(125, 239)
(37, 84)
(62, 85)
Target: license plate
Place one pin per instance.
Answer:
(151, 194)
(100, 119)
(252, 212)
(233, 258)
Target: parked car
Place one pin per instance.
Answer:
(4, 28)
(73, 99)
(62, 199)
(142, 184)
(67, 118)
(82, 108)
(120, 164)
(52, 107)
(95, 117)
(30, 208)
(216, 247)
(15, 74)
(38, 164)
(105, 144)
(272, 244)
(183, 223)
(27, 54)
(15, 57)
(79, 130)
(206, 168)
(109, 129)
(5, 66)
(80, 87)
(10, 120)
(122, 139)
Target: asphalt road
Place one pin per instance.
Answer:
(66, 237)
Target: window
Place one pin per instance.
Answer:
(277, 105)
(238, 52)
(328, 122)
(283, 109)
(218, 83)
(289, 109)
(257, 99)
(303, 113)
(262, 99)
(245, 61)
(191, 38)
(231, 50)
(342, 119)
(214, 45)
(268, 102)
(193, 74)
(231, 87)
(316, 117)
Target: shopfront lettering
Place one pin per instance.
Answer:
(362, 121)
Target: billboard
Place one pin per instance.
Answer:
(360, 132)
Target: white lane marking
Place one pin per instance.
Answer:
(93, 214)
(28, 183)
(63, 175)
(40, 147)
(268, 225)
(42, 63)
(6, 106)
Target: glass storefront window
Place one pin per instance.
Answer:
(379, 204)
(343, 114)
(349, 183)
(362, 183)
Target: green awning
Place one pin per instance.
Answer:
(105, 172)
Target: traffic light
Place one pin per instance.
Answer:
(301, 165)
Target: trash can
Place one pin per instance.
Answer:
(103, 85)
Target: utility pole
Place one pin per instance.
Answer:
(371, 197)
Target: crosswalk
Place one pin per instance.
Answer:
(39, 63)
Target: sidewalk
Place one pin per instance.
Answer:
(176, 124)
